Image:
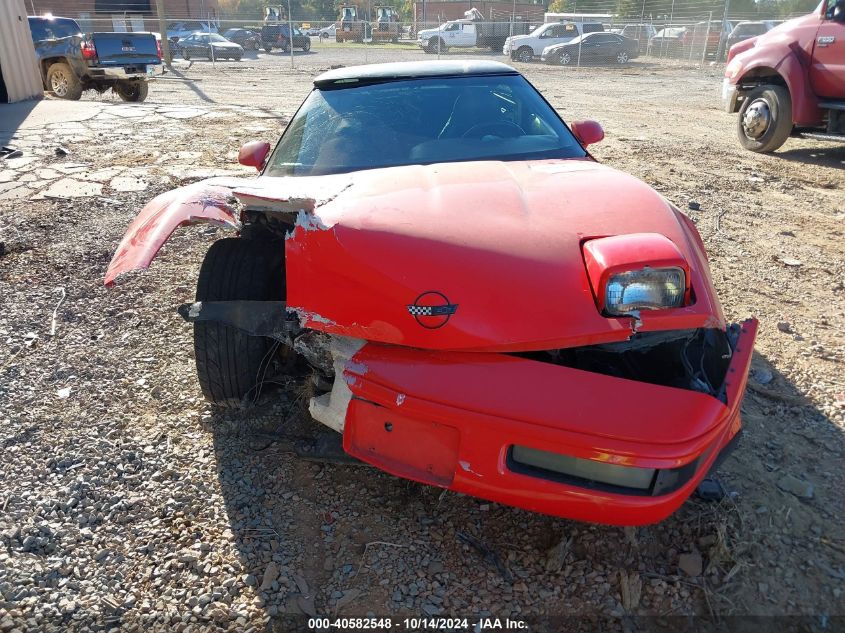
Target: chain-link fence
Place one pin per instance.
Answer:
(695, 32)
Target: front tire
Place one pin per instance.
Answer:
(765, 119)
(564, 58)
(63, 82)
(306, 46)
(132, 91)
(622, 57)
(525, 54)
(230, 363)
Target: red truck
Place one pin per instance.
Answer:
(790, 81)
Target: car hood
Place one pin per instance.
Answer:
(427, 33)
(497, 245)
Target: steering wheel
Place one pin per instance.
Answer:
(501, 129)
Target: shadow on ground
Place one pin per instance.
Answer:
(11, 117)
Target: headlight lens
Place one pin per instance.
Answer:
(645, 289)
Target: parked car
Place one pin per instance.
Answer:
(211, 46)
(248, 40)
(278, 36)
(592, 48)
(351, 268)
(669, 42)
(186, 28)
(327, 32)
(746, 30)
(72, 62)
(640, 32)
(790, 80)
(709, 38)
(524, 48)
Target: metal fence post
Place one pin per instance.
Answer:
(707, 39)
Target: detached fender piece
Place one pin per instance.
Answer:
(208, 201)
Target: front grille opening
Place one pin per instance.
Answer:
(593, 475)
(688, 359)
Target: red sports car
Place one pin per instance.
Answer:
(486, 308)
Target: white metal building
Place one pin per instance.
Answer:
(19, 75)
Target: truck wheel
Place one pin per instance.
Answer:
(307, 46)
(132, 91)
(443, 47)
(230, 363)
(63, 82)
(524, 54)
(765, 119)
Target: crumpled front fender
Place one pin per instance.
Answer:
(207, 201)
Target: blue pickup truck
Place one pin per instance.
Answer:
(71, 61)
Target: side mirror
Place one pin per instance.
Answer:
(254, 154)
(836, 11)
(587, 132)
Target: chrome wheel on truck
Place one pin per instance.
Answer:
(765, 119)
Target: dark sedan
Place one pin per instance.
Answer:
(592, 48)
(211, 46)
(249, 40)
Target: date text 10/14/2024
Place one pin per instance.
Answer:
(417, 624)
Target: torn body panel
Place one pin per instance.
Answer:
(462, 414)
(207, 201)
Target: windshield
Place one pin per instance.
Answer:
(421, 121)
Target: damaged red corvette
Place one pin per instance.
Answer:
(481, 305)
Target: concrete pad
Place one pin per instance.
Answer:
(70, 168)
(7, 175)
(18, 163)
(128, 184)
(16, 194)
(70, 188)
(47, 174)
(49, 111)
(8, 186)
(100, 175)
(182, 113)
(131, 112)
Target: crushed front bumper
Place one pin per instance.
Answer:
(452, 419)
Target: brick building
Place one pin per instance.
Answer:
(124, 15)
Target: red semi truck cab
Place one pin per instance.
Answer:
(790, 81)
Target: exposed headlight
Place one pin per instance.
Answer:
(645, 289)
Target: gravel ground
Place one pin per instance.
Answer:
(126, 501)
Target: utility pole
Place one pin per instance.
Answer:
(162, 29)
(290, 34)
(721, 50)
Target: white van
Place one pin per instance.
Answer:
(524, 48)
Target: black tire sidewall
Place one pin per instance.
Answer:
(74, 88)
(229, 361)
(780, 106)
